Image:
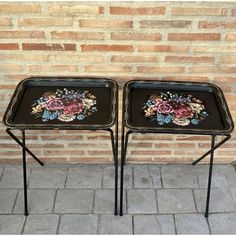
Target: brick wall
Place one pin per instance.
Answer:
(193, 41)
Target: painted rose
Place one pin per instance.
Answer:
(181, 121)
(164, 108)
(73, 108)
(183, 111)
(54, 104)
(66, 118)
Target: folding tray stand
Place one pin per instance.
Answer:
(66, 104)
(151, 106)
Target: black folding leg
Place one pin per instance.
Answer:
(24, 174)
(210, 175)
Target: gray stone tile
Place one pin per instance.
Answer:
(109, 177)
(142, 201)
(85, 177)
(111, 224)
(223, 176)
(74, 201)
(104, 201)
(154, 224)
(233, 193)
(78, 224)
(175, 201)
(155, 173)
(48, 178)
(220, 200)
(179, 176)
(11, 224)
(1, 170)
(13, 177)
(222, 223)
(191, 224)
(7, 200)
(40, 201)
(41, 224)
(142, 178)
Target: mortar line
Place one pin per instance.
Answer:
(23, 227)
(58, 224)
(174, 224)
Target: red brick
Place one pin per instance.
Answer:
(5, 22)
(226, 79)
(233, 12)
(199, 11)
(20, 8)
(9, 68)
(94, 23)
(212, 69)
(165, 24)
(162, 48)
(230, 37)
(160, 69)
(9, 46)
(45, 22)
(48, 47)
(62, 153)
(23, 57)
(159, 152)
(100, 153)
(61, 57)
(194, 36)
(22, 34)
(53, 68)
(187, 78)
(75, 9)
(175, 145)
(214, 49)
(105, 47)
(137, 10)
(130, 35)
(134, 59)
(108, 68)
(217, 24)
(228, 59)
(61, 137)
(71, 35)
(181, 59)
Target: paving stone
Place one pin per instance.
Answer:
(11, 224)
(175, 201)
(142, 201)
(40, 201)
(223, 176)
(154, 224)
(85, 177)
(222, 223)
(155, 173)
(104, 201)
(74, 201)
(191, 224)
(7, 200)
(109, 177)
(220, 200)
(233, 193)
(111, 224)
(142, 178)
(48, 178)
(41, 224)
(1, 170)
(175, 176)
(13, 177)
(78, 224)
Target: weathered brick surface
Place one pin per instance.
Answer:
(189, 41)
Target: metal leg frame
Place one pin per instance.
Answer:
(124, 143)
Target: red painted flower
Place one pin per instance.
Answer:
(73, 108)
(164, 108)
(54, 104)
(183, 111)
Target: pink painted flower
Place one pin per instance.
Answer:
(54, 104)
(164, 108)
(183, 111)
(73, 108)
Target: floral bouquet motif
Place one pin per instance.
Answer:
(171, 107)
(64, 105)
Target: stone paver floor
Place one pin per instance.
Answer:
(79, 199)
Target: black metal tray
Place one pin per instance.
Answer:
(64, 103)
(173, 107)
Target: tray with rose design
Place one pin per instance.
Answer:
(63, 103)
(172, 107)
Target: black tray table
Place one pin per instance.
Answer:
(151, 106)
(65, 103)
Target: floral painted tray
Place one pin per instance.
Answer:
(63, 103)
(166, 106)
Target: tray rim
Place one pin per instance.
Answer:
(177, 130)
(66, 126)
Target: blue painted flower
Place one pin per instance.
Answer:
(42, 100)
(81, 117)
(168, 119)
(48, 115)
(195, 121)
